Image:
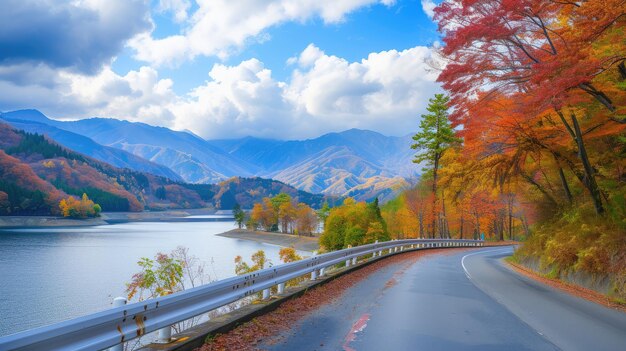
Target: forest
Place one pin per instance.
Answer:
(528, 142)
(38, 173)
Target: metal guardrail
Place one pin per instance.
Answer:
(120, 324)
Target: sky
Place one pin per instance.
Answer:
(223, 68)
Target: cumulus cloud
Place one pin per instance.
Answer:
(386, 91)
(218, 27)
(79, 35)
(179, 8)
(428, 6)
(137, 96)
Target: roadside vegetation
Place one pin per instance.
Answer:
(353, 224)
(538, 98)
(530, 142)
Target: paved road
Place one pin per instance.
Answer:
(460, 301)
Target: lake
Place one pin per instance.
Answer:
(52, 274)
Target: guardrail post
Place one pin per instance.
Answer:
(117, 302)
(353, 261)
(266, 294)
(165, 335)
(348, 263)
(314, 274)
(281, 288)
(322, 271)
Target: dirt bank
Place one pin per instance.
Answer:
(303, 243)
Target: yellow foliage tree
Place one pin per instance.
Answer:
(83, 208)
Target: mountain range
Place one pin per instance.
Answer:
(36, 173)
(358, 163)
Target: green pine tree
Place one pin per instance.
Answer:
(435, 137)
(240, 215)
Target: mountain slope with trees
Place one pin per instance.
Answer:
(110, 155)
(358, 163)
(36, 174)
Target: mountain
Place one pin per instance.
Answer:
(116, 157)
(191, 157)
(358, 163)
(36, 173)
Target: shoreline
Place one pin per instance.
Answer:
(300, 243)
(108, 218)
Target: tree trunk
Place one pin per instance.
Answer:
(622, 70)
(590, 178)
(525, 226)
(477, 225)
(539, 187)
(510, 218)
(501, 224)
(461, 228)
(568, 193)
(598, 95)
(434, 209)
(444, 219)
(421, 221)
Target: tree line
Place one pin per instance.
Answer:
(280, 213)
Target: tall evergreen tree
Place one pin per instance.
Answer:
(239, 215)
(435, 137)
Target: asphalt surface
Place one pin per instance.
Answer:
(462, 301)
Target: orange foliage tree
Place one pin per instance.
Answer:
(83, 208)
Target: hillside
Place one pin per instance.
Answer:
(35, 173)
(358, 163)
(184, 153)
(113, 156)
(339, 164)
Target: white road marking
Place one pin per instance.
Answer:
(478, 253)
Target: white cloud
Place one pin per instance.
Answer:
(138, 96)
(387, 91)
(179, 8)
(429, 6)
(219, 27)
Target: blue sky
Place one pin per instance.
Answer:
(222, 68)
(368, 29)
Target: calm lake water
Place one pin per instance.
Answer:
(52, 274)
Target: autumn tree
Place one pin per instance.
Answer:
(83, 208)
(559, 58)
(286, 216)
(306, 219)
(160, 276)
(348, 225)
(259, 261)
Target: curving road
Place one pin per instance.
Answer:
(466, 300)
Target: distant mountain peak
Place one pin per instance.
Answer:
(27, 115)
